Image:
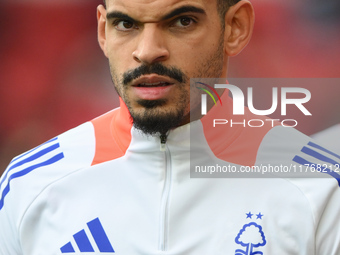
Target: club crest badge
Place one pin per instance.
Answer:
(251, 237)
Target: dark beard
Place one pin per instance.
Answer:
(153, 120)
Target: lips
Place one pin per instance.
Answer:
(155, 84)
(152, 80)
(152, 87)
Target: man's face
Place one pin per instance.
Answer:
(154, 48)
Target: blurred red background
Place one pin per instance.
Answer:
(54, 76)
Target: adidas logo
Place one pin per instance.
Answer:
(83, 242)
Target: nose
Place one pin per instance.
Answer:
(151, 46)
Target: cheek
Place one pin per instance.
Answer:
(120, 55)
(186, 51)
(117, 62)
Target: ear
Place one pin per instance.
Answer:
(239, 24)
(101, 19)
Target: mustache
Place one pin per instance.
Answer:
(157, 68)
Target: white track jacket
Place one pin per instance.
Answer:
(106, 188)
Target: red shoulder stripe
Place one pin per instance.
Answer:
(113, 134)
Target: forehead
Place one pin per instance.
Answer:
(153, 9)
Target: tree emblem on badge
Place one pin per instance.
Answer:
(250, 236)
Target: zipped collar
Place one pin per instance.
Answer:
(114, 132)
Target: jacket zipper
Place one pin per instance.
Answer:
(163, 138)
(164, 211)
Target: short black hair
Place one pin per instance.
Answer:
(222, 5)
(222, 8)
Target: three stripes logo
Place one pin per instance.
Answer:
(82, 241)
(204, 96)
(320, 160)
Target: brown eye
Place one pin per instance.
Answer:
(185, 21)
(127, 24)
(124, 25)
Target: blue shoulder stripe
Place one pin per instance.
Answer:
(318, 155)
(34, 149)
(29, 159)
(323, 149)
(20, 161)
(302, 161)
(26, 171)
(322, 155)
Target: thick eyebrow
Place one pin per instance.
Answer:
(119, 15)
(176, 12)
(183, 9)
